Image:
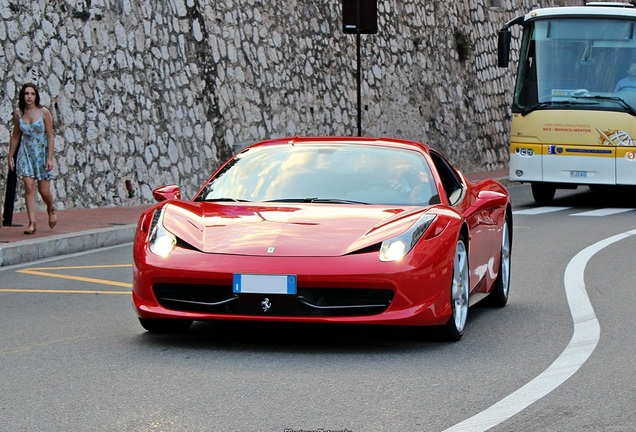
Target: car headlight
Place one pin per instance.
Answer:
(161, 241)
(396, 248)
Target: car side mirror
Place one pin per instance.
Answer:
(491, 199)
(164, 193)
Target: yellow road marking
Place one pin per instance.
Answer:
(50, 291)
(78, 278)
(79, 267)
(39, 272)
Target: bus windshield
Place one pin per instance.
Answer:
(577, 63)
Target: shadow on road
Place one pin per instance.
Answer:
(597, 196)
(294, 337)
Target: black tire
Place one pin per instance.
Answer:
(157, 325)
(543, 192)
(501, 289)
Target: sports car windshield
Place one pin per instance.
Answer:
(324, 173)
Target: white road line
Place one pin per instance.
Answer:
(584, 339)
(603, 212)
(539, 210)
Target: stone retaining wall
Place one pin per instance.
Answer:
(151, 92)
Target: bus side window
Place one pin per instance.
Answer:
(528, 93)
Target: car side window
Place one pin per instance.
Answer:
(451, 182)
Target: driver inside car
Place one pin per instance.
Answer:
(414, 184)
(629, 82)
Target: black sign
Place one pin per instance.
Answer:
(360, 16)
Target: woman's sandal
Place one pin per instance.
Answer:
(30, 229)
(52, 218)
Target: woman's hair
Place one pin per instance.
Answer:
(22, 102)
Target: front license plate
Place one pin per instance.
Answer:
(264, 284)
(578, 174)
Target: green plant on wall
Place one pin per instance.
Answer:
(463, 45)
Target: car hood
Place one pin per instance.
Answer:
(285, 230)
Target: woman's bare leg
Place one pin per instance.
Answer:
(29, 199)
(44, 187)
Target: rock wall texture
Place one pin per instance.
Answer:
(152, 92)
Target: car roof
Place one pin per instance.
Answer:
(383, 142)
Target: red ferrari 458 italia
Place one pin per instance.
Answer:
(325, 230)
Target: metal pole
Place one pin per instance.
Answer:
(9, 200)
(358, 79)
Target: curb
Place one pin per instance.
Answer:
(32, 250)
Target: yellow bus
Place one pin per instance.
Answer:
(574, 105)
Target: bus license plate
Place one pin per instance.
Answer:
(578, 174)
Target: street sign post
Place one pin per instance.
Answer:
(359, 17)
(9, 200)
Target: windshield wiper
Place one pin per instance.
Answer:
(290, 200)
(616, 99)
(317, 200)
(335, 201)
(541, 105)
(224, 199)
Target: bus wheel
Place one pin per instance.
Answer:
(543, 192)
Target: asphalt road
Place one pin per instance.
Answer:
(74, 358)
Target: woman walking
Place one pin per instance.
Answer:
(33, 132)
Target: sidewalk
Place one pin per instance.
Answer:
(79, 230)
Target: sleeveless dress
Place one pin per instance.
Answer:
(33, 151)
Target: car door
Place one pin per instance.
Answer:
(481, 220)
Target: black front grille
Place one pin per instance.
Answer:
(219, 299)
